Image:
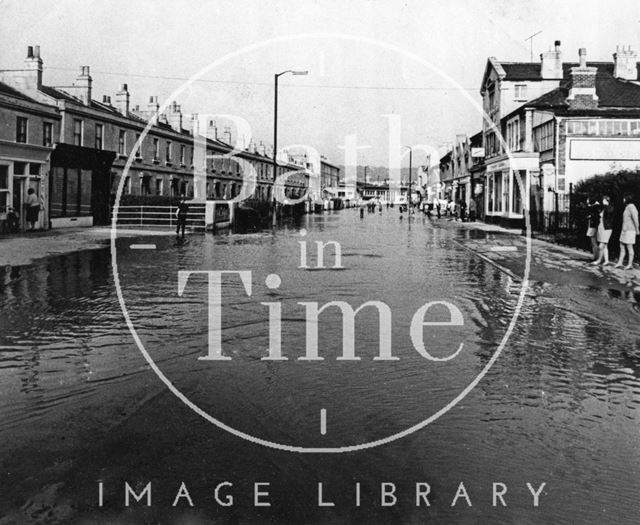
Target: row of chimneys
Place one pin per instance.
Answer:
(624, 60)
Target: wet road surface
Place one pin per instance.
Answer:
(80, 405)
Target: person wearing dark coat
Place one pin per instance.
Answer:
(603, 233)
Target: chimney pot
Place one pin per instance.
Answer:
(30, 52)
(123, 87)
(583, 57)
(36, 51)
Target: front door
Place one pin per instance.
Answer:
(19, 196)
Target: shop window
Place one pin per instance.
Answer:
(19, 168)
(519, 178)
(4, 188)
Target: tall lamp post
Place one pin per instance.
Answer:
(275, 135)
(409, 201)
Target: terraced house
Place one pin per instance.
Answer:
(27, 131)
(79, 147)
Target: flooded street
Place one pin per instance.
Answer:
(80, 403)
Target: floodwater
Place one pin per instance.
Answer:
(80, 405)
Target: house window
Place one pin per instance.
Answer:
(521, 92)
(145, 188)
(543, 138)
(492, 100)
(139, 149)
(182, 153)
(47, 134)
(127, 186)
(77, 132)
(21, 129)
(513, 134)
(156, 149)
(167, 156)
(99, 132)
(159, 186)
(122, 146)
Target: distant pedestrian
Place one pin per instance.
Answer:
(630, 230)
(472, 210)
(362, 212)
(463, 210)
(603, 233)
(181, 214)
(438, 209)
(593, 219)
(33, 208)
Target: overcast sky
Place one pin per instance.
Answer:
(151, 45)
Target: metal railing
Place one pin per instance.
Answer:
(158, 216)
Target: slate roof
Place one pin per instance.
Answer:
(8, 90)
(612, 92)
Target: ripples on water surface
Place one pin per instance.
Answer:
(79, 403)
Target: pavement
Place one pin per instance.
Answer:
(25, 248)
(504, 248)
(507, 250)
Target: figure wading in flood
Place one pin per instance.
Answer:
(181, 214)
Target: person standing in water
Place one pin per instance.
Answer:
(32, 205)
(181, 214)
(630, 230)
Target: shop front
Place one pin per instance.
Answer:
(22, 168)
(79, 186)
(507, 189)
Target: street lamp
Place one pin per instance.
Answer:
(275, 134)
(410, 168)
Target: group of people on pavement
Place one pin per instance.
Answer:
(457, 210)
(601, 217)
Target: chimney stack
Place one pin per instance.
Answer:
(227, 135)
(551, 68)
(83, 85)
(122, 100)
(32, 78)
(625, 65)
(582, 90)
(175, 116)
